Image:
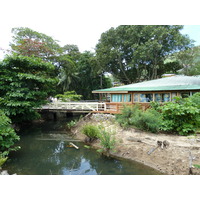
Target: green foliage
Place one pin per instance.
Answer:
(2, 160)
(71, 124)
(149, 120)
(89, 75)
(180, 116)
(87, 147)
(155, 105)
(107, 140)
(197, 166)
(25, 84)
(196, 99)
(91, 131)
(28, 42)
(124, 119)
(8, 137)
(133, 116)
(133, 52)
(80, 72)
(67, 73)
(69, 96)
(189, 60)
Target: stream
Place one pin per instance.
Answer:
(45, 150)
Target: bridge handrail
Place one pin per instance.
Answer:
(95, 106)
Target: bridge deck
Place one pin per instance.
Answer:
(86, 107)
(74, 107)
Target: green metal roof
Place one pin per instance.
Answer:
(162, 84)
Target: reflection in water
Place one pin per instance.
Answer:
(46, 153)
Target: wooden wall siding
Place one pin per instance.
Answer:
(115, 108)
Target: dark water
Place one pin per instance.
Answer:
(45, 151)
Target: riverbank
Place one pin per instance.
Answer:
(173, 157)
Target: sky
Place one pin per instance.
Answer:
(82, 22)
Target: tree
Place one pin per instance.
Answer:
(69, 96)
(28, 42)
(72, 51)
(90, 76)
(134, 53)
(25, 84)
(189, 61)
(67, 72)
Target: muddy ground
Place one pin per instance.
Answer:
(133, 144)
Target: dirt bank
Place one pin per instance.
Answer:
(135, 145)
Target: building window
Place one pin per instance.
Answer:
(136, 97)
(127, 97)
(162, 97)
(192, 93)
(166, 97)
(146, 97)
(116, 97)
(185, 94)
(174, 94)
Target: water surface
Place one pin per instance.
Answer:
(45, 151)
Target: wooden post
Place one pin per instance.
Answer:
(74, 145)
(117, 107)
(100, 96)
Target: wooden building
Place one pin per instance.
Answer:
(159, 90)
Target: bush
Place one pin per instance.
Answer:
(180, 116)
(107, 140)
(149, 120)
(124, 119)
(91, 131)
(2, 160)
(71, 124)
(196, 99)
(8, 137)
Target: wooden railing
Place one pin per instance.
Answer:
(96, 107)
(116, 108)
(75, 106)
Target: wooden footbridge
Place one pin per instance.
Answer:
(80, 107)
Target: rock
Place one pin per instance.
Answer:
(4, 172)
(132, 139)
(165, 143)
(102, 117)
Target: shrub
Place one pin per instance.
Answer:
(2, 160)
(124, 119)
(180, 116)
(91, 131)
(8, 137)
(107, 140)
(196, 99)
(149, 120)
(71, 124)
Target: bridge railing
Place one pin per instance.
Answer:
(87, 106)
